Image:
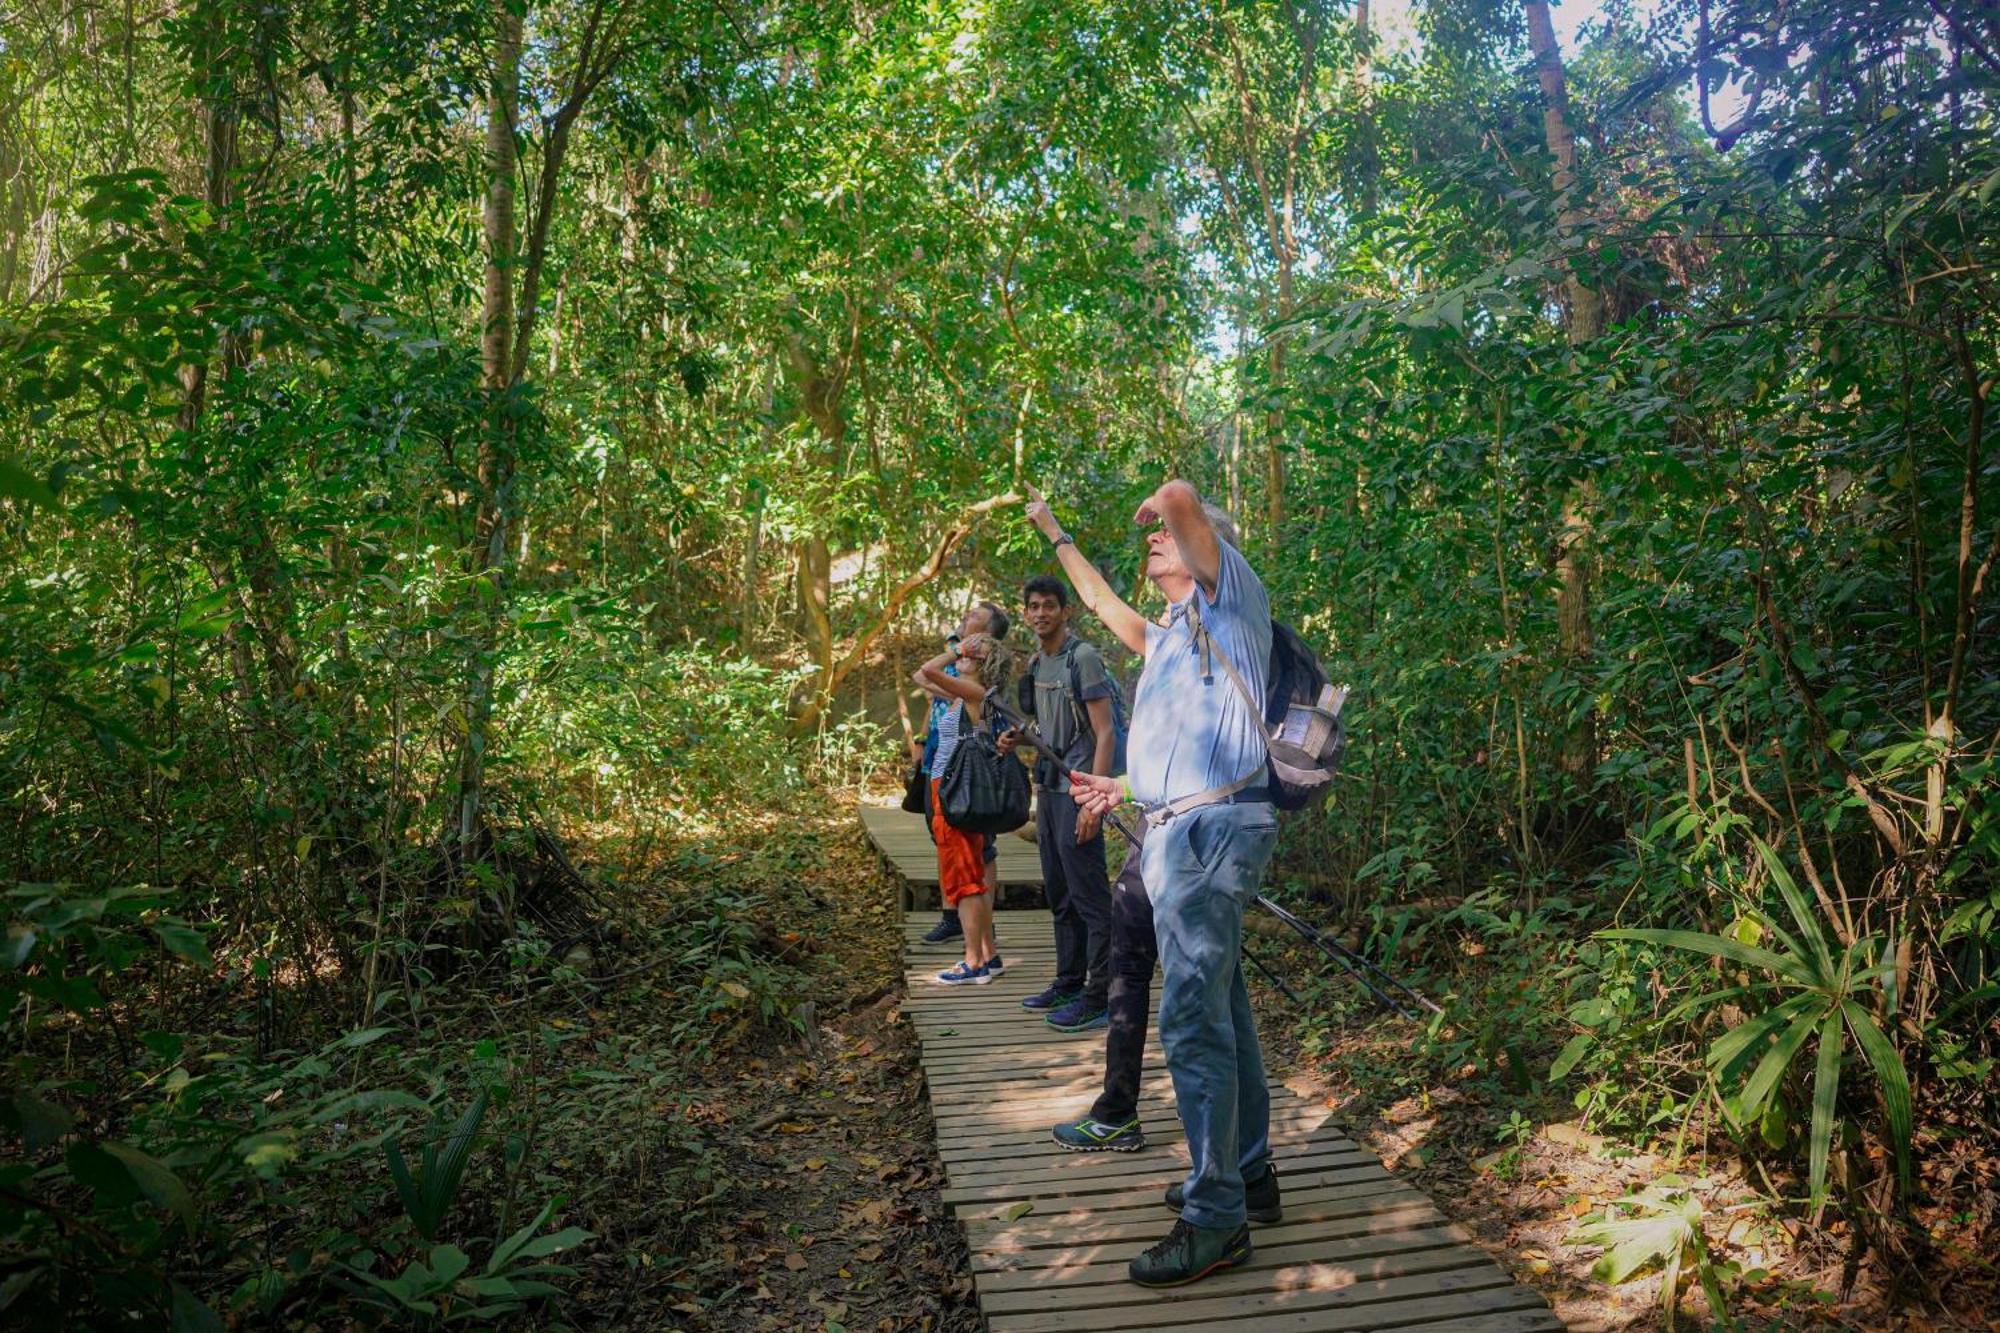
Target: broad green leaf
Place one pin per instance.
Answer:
(553, 1243)
(1571, 1052)
(17, 483)
(184, 941)
(1764, 1081)
(153, 1178)
(1810, 930)
(1826, 1092)
(1744, 1040)
(504, 1252)
(1695, 941)
(1888, 1067)
(448, 1261)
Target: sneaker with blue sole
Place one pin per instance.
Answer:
(958, 974)
(1080, 1015)
(1051, 997)
(1093, 1135)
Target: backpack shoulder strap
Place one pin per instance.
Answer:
(1211, 653)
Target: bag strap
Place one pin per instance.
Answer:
(1076, 687)
(1210, 653)
(1157, 815)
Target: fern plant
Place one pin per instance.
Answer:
(427, 1197)
(1830, 990)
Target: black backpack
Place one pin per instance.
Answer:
(982, 790)
(1302, 717)
(1121, 724)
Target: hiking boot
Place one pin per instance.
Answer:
(1260, 1198)
(1093, 1135)
(1080, 1015)
(946, 931)
(960, 975)
(1051, 998)
(1190, 1253)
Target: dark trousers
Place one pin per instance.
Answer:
(1079, 896)
(1134, 954)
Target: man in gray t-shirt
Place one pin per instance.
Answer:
(1071, 696)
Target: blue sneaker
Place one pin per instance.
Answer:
(1092, 1135)
(995, 966)
(946, 932)
(961, 975)
(1051, 998)
(1080, 1015)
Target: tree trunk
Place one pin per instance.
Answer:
(1586, 303)
(496, 454)
(1584, 320)
(815, 571)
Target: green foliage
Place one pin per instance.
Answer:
(1829, 1000)
(428, 1194)
(438, 1288)
(1662, 1224)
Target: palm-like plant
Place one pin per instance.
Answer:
(1830, 990)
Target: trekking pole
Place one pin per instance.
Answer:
(1270, 976)
(1347, 958)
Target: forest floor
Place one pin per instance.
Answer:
(802, 1189)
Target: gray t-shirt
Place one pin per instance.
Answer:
(1067, 733)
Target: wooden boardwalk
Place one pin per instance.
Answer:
(906, 846)
(1358, 1249)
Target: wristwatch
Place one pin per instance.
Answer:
(1063, 539)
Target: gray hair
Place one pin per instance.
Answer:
(1219, 519)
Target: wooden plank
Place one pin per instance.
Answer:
(1259, 1279)
(990, 1199)
(1488, 1321)
(1307, 1315)
(1290, 1125)
(1039, 1175)
(1079, 1271)
(1006, 1249)
(1052, 1223)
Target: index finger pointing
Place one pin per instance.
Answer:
(1033, 494)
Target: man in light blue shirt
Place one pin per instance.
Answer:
(1198, 766)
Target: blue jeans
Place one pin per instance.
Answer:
(1201, 870)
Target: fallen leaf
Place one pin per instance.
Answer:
(1014, 1212)
(815, 1163)
(795, 1261)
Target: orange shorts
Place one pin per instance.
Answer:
(961, 855)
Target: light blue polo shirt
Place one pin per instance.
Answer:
(1191, 734)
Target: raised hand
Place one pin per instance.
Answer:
(1041, 515)
(1146, 515)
